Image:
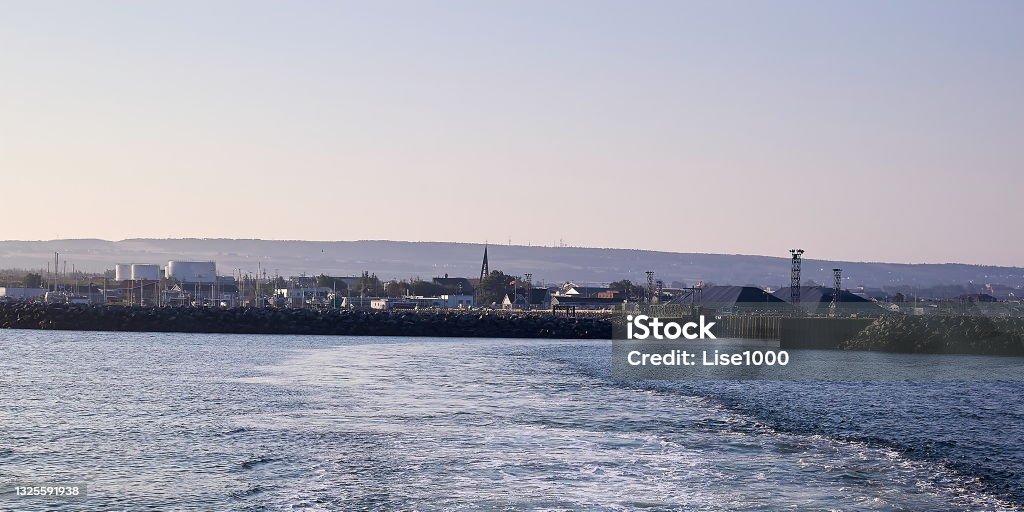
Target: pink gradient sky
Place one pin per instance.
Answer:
(881, 131)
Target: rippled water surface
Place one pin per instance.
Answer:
(231, 422)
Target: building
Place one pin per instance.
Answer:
(816, 300)
(456, 285)
(735, 298)
(19, 293)
(302, 296)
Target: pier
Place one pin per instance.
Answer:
(748, 326)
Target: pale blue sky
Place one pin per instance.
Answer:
(860, 130)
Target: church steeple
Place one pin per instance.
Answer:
(483, 267)
(483, 274)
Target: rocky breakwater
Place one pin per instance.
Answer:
(450, 323)
(942, 335)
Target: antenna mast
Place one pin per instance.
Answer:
(794, 276)
(837, 274)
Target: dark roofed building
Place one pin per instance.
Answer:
(734, 294)
(816, 300)
(819, 294)
(456, 285)
(736, 297)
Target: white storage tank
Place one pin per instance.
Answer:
(145, 272)
(192, 271)
(123, 272)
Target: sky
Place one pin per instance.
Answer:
(861, 130)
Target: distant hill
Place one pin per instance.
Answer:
(390, 259)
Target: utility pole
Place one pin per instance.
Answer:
(529, 290)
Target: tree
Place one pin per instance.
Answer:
(395, 288)
(494, 286)
(334, 283)
(628, 290)
(369, 285)
(33, 280)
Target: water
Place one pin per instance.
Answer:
(230, 422)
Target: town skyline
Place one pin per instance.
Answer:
(397, 260)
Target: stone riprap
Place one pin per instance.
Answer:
(446, 323)
(942, 335)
